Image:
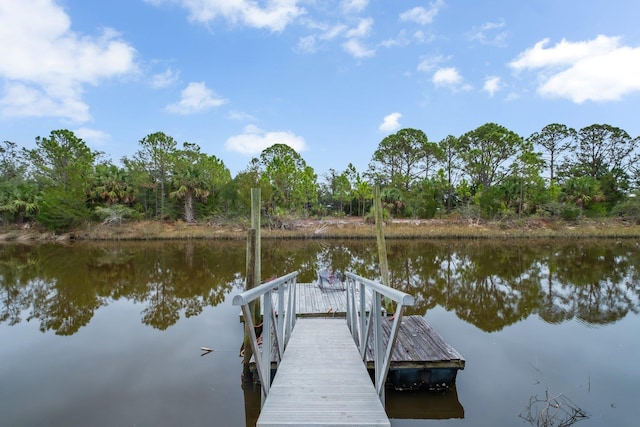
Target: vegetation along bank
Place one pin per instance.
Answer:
(488, 181)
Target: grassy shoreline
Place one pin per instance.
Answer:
(343, 228)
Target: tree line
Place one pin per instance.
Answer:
(490, 172)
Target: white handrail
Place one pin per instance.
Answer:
(281, 322)
(360, 323)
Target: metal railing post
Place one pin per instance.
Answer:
(362, 324)
(266, 340)
(278, 324)
(364, 333)
(378, 350)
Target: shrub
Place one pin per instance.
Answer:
(114, 214)
(570, 213)
(62, 210)
(629, 209)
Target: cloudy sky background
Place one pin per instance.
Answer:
(329, 78)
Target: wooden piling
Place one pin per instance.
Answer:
(253, 271)
(382, 246)
(256, 206)
(249, 284)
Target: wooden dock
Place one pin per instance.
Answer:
(421, 359)
(311, 370)
(322, 381)
(312, 301)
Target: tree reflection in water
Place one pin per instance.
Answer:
(490, 285)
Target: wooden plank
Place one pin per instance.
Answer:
(418, 346)
(315, 302)
(322, 381)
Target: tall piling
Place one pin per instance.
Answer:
(382, 246)
(252, 272)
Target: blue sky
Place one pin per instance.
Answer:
(329, 78)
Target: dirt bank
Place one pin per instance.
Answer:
(354, 228)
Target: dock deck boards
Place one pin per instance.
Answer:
(322, 381)
(312, 301)
(418, 346)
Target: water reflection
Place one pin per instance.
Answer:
(423, 405)
(495, 285)
(486, 284)
(62, 287)
(405, 405)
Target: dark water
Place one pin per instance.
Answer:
(110, 334)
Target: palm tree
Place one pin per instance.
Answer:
(112, 186)
(583, 191)
(20, 202)
(190, 187)
(362, 192)
(195, 177)
(392, 199)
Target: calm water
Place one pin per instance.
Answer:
(110, 334)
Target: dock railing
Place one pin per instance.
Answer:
(359, 289)
(277, 320)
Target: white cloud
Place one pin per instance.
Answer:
(597, 70)
(492, 85)
(45, 65)
(400, 40)
(421, 37)
(354, 6)
(333, 32)
(390, 122)
(428, 63)
(20, 100)
(253, 140)
(362, 30)
(421, 15)
(355, 48)
(275, 15)
(354, 45)
(563, 53)
(164, 79)
(489, 33)
(447, 77)
(311, 43)
(195, 97)
(240, 116)
(450, 77)
(94, 137)
(353, 38)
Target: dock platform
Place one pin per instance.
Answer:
(421, 358)
(313, 301)
(337, 391)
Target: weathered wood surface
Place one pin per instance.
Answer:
(311, 301)
(322, 381)
(418, 346)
